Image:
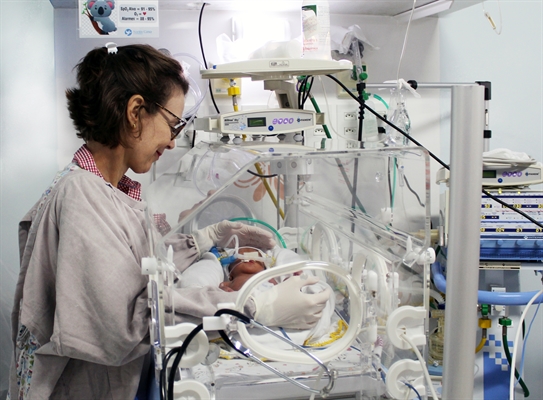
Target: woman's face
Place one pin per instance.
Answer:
(155, 134)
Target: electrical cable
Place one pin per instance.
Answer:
(410, 188)
(436, 158)
(423, 365)
(503, 203)
(526, 340)
(193, 141)
(204, 56)
(508, 356)
(340, 165)
(515, 345)
(307, 91)
(328, 112)
(260, 175)
(413, 389)
(412, 191)
(178, 351)
(247, 354)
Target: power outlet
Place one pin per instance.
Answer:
(319, 132)
(350, 131)
(351, 116)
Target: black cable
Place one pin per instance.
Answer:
(436, 158)
(261, 176)
(409, 187)
(503, 203)
(307, 91)
(204, 56)
(193, 141)
(177, 360)
(412, 191)
(243, 318)
(360, 87)
(301, 88)
(304, 90)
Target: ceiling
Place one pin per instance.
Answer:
(362, 7)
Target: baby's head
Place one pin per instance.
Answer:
(241, 270)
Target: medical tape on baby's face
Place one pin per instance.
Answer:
(256, 255)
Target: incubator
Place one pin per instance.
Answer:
(357, 221)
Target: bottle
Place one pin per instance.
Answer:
(400, 118)
(316, 29)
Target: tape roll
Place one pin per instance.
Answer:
(197, 349)
(191, 389)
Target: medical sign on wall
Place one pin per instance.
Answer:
(117, 18)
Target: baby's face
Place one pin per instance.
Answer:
(241, 271)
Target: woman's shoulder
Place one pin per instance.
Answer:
(72, 176)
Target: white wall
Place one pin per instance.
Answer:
(472, 51)
(512, 61)
(28, 140)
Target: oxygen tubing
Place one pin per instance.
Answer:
(505, 298)
(257, 221)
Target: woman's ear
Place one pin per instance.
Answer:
(133, 109)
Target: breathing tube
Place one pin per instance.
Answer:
(227, 257)
(257, 221)
(484, 297)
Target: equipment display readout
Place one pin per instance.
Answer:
(262, 122)
(256, 122)
(489, 173)
(510, 176)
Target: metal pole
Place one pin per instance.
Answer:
(468, 121)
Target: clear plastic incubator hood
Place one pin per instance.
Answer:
(358, 220)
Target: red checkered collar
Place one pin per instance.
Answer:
(83, 157)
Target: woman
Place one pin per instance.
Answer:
(80, 319)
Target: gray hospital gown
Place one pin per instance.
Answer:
(80, 318)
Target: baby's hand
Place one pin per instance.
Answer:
(225, 286)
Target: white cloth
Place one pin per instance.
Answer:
(506, 156)
(205, 272)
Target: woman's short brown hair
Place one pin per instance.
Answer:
(107, 81)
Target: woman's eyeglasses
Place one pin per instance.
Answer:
(181, 123)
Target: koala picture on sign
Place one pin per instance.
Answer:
(99, 12)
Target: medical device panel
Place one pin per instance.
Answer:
(506, 235)
(508, 176)
(261, 122)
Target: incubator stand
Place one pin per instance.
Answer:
(358, 219)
